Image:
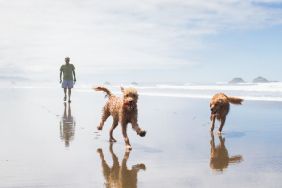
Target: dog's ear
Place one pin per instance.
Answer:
(122, 89)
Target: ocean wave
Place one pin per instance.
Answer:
(202, 96)
(262, 87)
(257, 92)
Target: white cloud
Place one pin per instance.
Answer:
(112, 35)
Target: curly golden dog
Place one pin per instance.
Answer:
(123, 110)
(220, 106)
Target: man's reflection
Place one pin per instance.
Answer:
(67, 125)
(219, 155)
(119, 176)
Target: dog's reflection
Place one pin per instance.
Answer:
(219, 155)
(119, 176)
(67, 125)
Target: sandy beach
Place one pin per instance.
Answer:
(46, 143)
(177, 54)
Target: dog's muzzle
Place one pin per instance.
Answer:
(213, 111)
(130, 105)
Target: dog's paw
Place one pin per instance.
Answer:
(140, 166)
(128, 147)
(112, 140)
(99, 150)
(142, 133)
(99, 128)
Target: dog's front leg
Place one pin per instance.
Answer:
(136, 127)
(212, 122)
(221, 124)
(124, 133)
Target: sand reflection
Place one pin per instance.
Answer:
(67, 125)
(119, 176)
(219, 159)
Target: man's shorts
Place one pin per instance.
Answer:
(67, 84)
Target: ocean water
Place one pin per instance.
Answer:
(249, 91)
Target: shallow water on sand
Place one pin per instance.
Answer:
(46, 143)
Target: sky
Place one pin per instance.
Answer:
(141, 40)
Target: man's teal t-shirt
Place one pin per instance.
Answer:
(67, 71)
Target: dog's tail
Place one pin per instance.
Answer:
(100, 88)
(235, 100)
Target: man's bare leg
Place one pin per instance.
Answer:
(69, 93)
(65, 92)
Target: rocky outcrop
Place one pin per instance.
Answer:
(260, 80)
(236, 80)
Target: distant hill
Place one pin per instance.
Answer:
(260, 80)
(236, 80)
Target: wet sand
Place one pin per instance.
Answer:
(45, 143)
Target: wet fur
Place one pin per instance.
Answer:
(123, 110)
(220, 106)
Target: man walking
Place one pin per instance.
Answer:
(68, 78)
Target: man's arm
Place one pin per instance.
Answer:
(61, 72)
(73, 71)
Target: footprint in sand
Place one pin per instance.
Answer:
(97, 135)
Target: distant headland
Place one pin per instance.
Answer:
(259, 79)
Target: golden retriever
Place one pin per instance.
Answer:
(219, 106)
